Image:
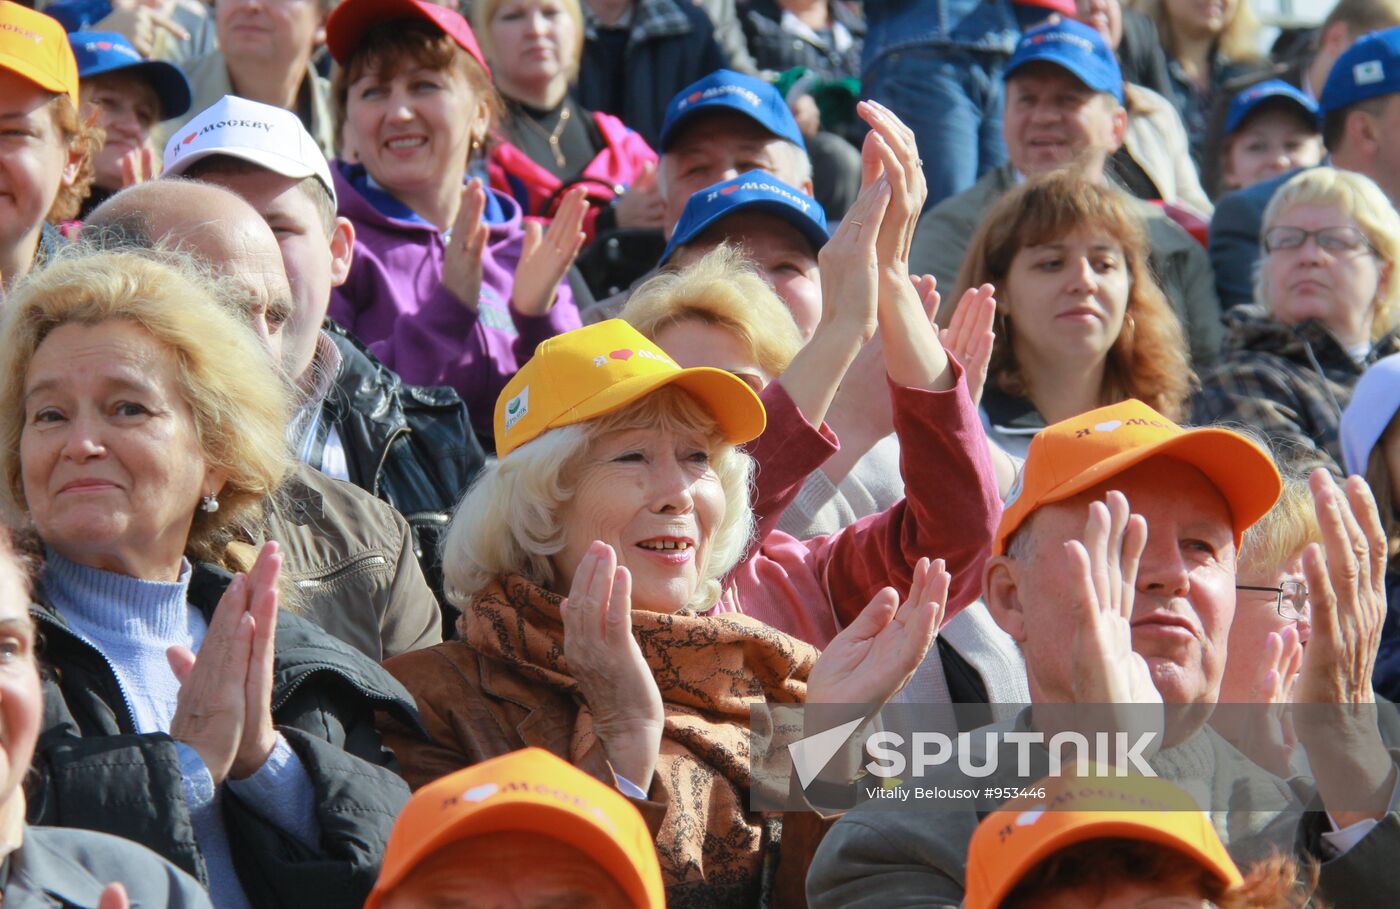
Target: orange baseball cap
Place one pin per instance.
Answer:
(532, 791)
(1023, 833)
(36, 47)
(600, 368)
(1079, 453)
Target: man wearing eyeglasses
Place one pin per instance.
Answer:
(1115, 569)
(1360, 112)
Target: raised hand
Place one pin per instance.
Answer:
(461, 258)
(612, 675)
(1104, 566)
(969, 336)
(139, 165)
(548, 253)
(876, 655)
(143, 22)
(895, 145)
(1346, 591)
(213, 714)
(642, 204)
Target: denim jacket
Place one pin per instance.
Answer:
(983, 25)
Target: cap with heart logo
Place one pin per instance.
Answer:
(597, 369)
(754, 191)
(1068, 457)
(1081, 806)
(528, 791)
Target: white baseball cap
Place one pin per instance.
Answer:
(261, 134)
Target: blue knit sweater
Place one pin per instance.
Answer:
(132, 623)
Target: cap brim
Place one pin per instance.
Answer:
(1123, 825)
(23, 69)
(1274, 100)
(348, 22)
(731, 402)
(171, 87)
(291, 168)
(525, 817)
(1243, 472)
(806, 226)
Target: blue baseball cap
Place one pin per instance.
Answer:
(1269, 91)
(1073, 46)
(755, 191)
(725, 89)
(102, 53)
(1368, 69)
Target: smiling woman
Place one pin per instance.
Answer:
(143, 430)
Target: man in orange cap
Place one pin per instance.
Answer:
(44, 149)
(526, 830)
(1114, 570)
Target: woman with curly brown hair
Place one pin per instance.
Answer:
(45, 150)
(1081, 323)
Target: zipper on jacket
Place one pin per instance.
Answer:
(111, 667)
(369, 560)
(313, 669)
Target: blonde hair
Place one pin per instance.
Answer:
(1236, 38)
(1280, 535)
(238, 402)
(721, 288)
(483, 11)
(508, 522)
(1360, 199)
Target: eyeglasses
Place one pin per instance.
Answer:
(1291, 598)
(1339, 240)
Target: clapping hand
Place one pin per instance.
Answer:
(1104, 567)
(548, 254)
(461, 258)
(139, 165)
(113, 897)
(143, 22)
(876, 655)
(641, 205)
(969, 336)
(606, 661)
(224, 709)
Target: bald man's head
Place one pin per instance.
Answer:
(215, 225)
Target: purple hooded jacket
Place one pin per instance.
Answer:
(394, 302)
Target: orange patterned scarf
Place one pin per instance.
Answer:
(709, 669)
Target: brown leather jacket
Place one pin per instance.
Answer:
(476, 708)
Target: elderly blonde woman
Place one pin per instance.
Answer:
(620, 485)
(143, 428)
(589, 559)
(546, 141)
(1326, 298)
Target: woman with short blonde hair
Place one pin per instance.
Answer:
(142, 430)
(1327, 299)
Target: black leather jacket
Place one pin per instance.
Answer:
(409, 445)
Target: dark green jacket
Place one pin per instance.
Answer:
(93, 770)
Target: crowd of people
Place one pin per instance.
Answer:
(435, 432)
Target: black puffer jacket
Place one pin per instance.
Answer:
(92, 770)
(411, 446)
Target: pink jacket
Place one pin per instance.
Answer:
(811, 589)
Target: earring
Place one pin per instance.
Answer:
(209, 503)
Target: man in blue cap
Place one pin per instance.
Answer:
(1064, 103)
(728, 123)
(780, 229)
(1361, 129)
(129, 95)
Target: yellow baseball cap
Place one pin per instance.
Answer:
(1079, 807)
(532, 791)
(36, 47)
(600, 368)
(1079, 453)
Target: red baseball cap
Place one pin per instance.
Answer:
(348, 22)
